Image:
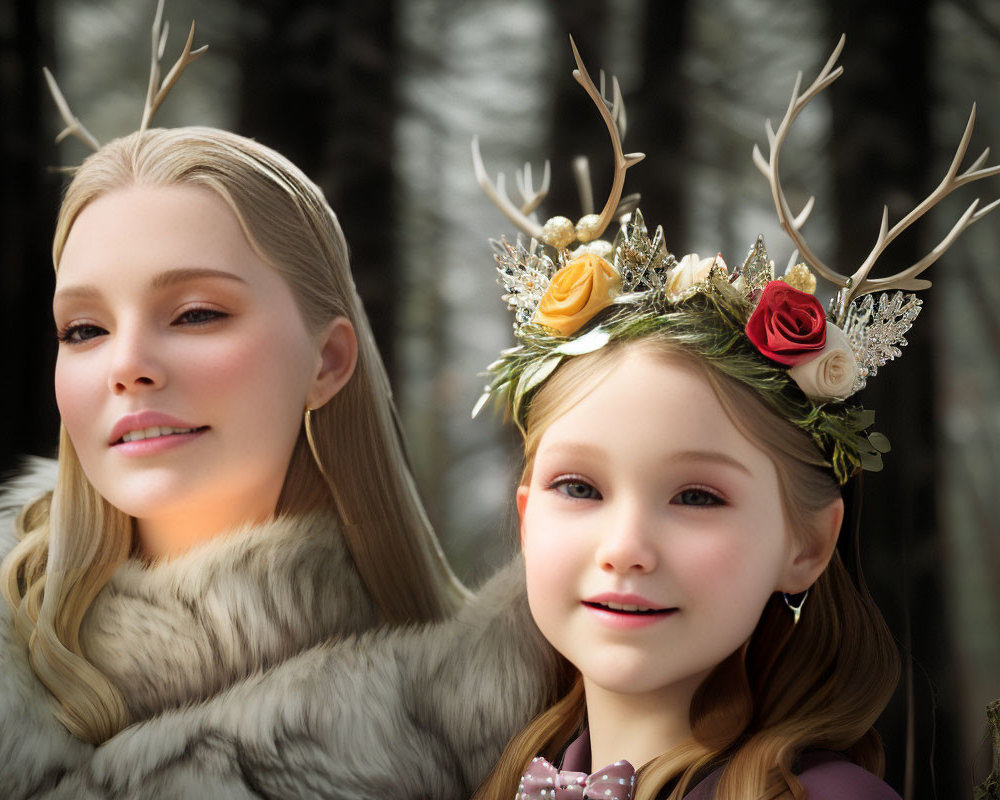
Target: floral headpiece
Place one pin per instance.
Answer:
(155, 94)
(573, 293)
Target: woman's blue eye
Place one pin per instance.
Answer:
(76, 334)
(576, 489)
(199, 316)
(698, 497)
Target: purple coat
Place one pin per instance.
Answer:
(824, 775)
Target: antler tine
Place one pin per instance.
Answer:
(618, 107)
(73, 125)
(622, 161)
(581, 172)
(616, 103)
(532, 199)
(157, 91)
(861, 285)
(977, 163)
(769, 167)
(498, 195)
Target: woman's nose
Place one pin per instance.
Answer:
(627, 544)
(136, 364)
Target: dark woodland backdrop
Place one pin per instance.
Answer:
(377, 101)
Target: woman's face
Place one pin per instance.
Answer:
(184, 363)
(652, 531)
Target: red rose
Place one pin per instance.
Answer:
(787, 326)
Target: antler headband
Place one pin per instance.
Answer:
(773, 335)
(155, 94)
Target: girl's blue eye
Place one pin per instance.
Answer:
(698, 497)
(199, 316)
(77, 334)
(576, 489)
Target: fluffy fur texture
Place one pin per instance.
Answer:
(35, 749)
(407, 713)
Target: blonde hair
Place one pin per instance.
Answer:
(821, 684)
(73, 540)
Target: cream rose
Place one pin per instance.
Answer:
(691, 270)
(576, 293)
(831, 374)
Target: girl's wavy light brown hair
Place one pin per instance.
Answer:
(819, 685)
(72, 540)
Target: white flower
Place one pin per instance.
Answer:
(691, 270)
(831, 374)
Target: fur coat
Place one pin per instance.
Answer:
(253, 670)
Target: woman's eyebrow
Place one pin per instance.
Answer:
(172, 277)
(162, 280)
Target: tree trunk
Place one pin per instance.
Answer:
(28, 200)
(882, 151)
(659, 127)
(318, 87)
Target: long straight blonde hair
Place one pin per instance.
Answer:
(73, 540)
(819, 684)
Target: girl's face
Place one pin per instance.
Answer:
(184, 363)
(652, 531)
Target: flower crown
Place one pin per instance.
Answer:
(769, 333)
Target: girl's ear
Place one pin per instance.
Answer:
(522, 504)
(338, 356)
(809, 557)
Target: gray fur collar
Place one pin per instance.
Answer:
(181, 630)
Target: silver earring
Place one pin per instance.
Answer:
(795, 603)
(311, 441)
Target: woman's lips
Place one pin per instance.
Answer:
(143, 422)
(157, 444)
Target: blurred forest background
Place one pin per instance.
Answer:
(378, 101)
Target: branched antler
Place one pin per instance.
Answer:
(907, 278)
(158, 91)
(859, 283)
(530, 197)
(498, 194)
(73, 125)
(613, 114)
(790, 222)
(563, 233)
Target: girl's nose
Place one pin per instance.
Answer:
(627, 545)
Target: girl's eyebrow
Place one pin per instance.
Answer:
(575, 449)
(711, 457)
(161, 280)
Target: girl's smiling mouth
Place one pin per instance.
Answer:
(627, 610)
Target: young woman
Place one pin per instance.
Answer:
(687, 432)
(231, 488)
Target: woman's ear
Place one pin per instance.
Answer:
(522, 504)
(810, 555)
(337, 358)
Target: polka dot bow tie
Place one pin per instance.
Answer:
(542, 781)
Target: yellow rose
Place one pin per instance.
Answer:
(576, 293)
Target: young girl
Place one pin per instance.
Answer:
(686, 436)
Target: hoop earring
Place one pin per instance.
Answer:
(795, 603)
(312, 442)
